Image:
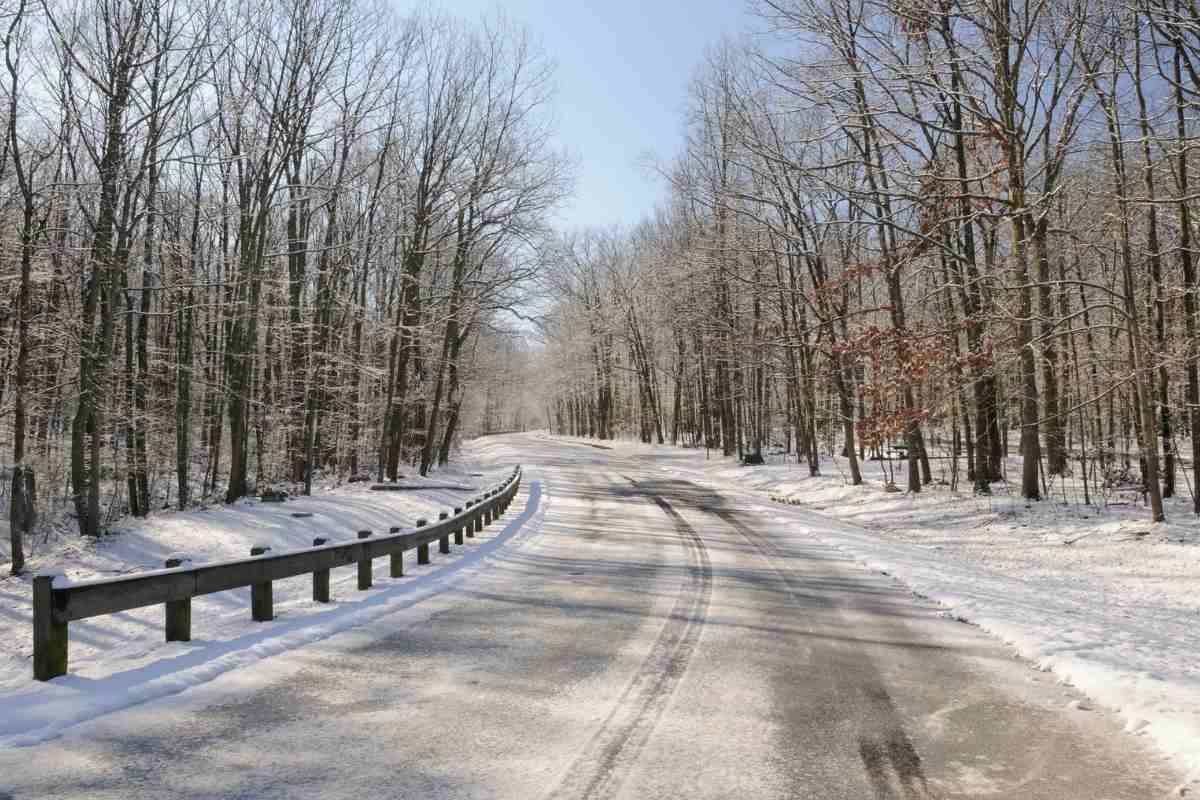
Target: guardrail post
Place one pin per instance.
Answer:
(397, 560)
(49, 637)
(364, 566)
(458, 532)
(320, 577)
(470, 526)
(178, 627)
(444, 542)
(422, 549)
(262, 602)
(487, 511)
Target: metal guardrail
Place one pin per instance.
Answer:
(56, 603)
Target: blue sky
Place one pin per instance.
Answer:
(623, 67)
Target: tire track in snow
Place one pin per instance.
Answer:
(889, 756)
(606, 760)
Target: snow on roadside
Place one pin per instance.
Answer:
(1099, 596)
(121, 659)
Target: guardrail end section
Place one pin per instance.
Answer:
(49, 637)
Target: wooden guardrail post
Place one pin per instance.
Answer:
(262, 602)
(487, 511)
(478, 518)
(444, 542)
(49, 637)
(458, 532)
(364, 566)
(422, 549)
(469, 527)
(178, 613)
(320, 577)
(397, 559)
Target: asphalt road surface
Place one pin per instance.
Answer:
(653, 640)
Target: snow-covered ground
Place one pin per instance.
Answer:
(1107, 601)
(121, 659)
(1099, 596)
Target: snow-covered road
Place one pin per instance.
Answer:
(639, 636)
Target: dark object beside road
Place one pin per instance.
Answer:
(174, 586)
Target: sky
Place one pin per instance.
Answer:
(622, 71)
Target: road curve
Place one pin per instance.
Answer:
(655, 639)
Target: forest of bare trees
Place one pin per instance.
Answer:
(952, 229)
(247, 245)
(250, 243)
